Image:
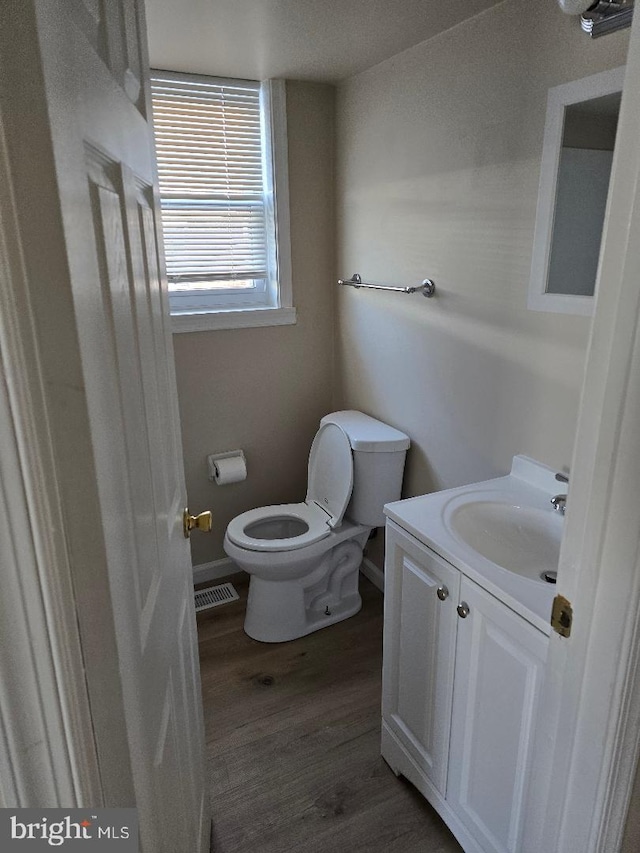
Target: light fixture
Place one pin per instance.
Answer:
(607, 16)
(600, 17)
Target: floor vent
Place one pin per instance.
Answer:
(212, 596)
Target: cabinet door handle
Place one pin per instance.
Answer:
(463, 609)
(443, 592)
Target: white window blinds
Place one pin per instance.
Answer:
(210, 167)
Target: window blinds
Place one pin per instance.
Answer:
(209, 152)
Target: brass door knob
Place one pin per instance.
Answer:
(195, 522)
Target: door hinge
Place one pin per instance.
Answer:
(562, 616)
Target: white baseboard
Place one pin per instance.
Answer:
(215, 570)
(373, 573)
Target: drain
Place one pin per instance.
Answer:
(549, 577)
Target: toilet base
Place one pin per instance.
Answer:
(283, 610)
(258, 629)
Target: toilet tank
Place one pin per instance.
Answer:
(379, 451)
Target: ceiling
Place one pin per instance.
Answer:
(326, 40)
(608, 106)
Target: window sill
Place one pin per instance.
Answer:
(206, 321)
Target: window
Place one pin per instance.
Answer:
(222, 169)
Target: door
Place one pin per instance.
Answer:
(499, 668)
(79, 132)
(421, 593)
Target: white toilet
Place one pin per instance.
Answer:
(304, 558)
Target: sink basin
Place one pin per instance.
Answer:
(521, 539)
(502, 534)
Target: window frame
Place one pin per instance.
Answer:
(272, 301)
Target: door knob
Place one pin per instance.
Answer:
(442, 592)
(195, 522)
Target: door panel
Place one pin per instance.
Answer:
(149, 305)
(113, 261)
(167, 766)
(419, 649)
(499, 668)
(114, 33)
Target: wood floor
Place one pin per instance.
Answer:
(293, 734)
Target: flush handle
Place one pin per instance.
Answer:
(443, 593)
(203, 522)
(463, 609)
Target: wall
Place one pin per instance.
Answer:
(265, 389)
(438, 167)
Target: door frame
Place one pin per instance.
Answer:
(588, 741)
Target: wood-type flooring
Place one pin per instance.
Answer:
(293, 740)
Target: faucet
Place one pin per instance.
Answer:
(559, 502)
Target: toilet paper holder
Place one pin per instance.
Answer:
(229, 454)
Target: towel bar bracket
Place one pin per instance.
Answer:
(428, 288)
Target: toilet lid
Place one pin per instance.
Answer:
(330, 472)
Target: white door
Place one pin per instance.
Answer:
(499, 668)
(421, 593)
(86, 62)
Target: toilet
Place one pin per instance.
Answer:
(304, 558)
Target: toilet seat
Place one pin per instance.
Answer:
(330, 483)
(310, 514)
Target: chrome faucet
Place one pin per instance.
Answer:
(559, 502)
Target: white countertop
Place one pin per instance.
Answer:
(530, 484)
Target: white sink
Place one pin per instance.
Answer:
(502, 533)
(518, 538)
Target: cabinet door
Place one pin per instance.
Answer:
(419, 648)
(499, 667)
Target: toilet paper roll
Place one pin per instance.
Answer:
(230, 470)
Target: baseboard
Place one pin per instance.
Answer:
(373, 573)
(215, 570)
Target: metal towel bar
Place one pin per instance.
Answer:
(427, 288)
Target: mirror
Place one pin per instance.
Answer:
(577, 154)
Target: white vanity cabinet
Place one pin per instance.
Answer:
(461, 680)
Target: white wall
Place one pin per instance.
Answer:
(438, 166)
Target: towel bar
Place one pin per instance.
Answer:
(427, 288)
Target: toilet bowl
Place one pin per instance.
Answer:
(304, 558)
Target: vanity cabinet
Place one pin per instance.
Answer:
(461, 681)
